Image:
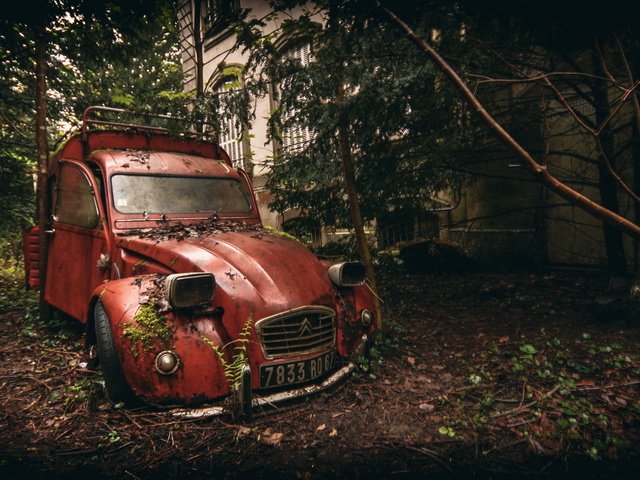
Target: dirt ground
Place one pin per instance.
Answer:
(488, 375)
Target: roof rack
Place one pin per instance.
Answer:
(87, 121)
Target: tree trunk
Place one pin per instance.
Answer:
(616, 260)
(42, 192)
(344, 150)
(197, 45)
(344, 144)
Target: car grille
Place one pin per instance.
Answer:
(297, 332)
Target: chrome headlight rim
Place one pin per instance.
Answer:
(366, 318)
(173, 282)
(162, 357)
(347, 274)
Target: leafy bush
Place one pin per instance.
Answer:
(345, 248)
(16, 191)
(388, 263)
(13, 294)
(430, 256)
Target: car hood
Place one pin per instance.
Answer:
(270, 273)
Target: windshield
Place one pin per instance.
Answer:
(155, 194)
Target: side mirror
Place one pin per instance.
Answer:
(348, 274)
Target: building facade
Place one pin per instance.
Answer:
(222, 67)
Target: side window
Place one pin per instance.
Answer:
(75, 203)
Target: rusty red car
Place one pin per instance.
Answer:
(155, 243)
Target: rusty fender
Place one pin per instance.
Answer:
(141, 333)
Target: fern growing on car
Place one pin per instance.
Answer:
(233, 369)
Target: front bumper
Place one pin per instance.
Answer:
(261, 403)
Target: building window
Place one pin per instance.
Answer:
(406, 225)
(295, 136)
(217, 14)
(231, 131)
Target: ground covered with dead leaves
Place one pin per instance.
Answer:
(492, 375)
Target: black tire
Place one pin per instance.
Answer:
(117, 386)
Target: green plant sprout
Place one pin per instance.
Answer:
(233, 369)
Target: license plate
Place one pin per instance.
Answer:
(290, 373)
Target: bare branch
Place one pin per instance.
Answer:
(616, 109)
(542, 76)
(603, 62)
(625, 62)
(562, 99)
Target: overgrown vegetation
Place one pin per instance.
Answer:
(13, 295)
(150, 327)
(383, 348)
(558, 392)
(233, 368)
(554, 396)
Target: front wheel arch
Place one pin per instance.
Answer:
(117, 386)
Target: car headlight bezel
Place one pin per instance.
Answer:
(348, 274)
(190, 290)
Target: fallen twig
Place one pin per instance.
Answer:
(27, 377)
(526, 405)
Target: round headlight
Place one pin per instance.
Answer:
(167, 362)
(366, 318)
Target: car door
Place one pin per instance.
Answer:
(77, 240)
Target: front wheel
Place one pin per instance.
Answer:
(117, 386)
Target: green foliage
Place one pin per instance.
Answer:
(100, 52)
(80, 392)
(13, 294)
(388, 263)
(399, 128)
(109, 439)
(560, 385)
(280, 233)
(528, 349)
(305, 229)
(16, 191)
(233, 369)
(447, 431)
(16, 298)
(150, 327)
(383, 347)
(344, 248)
(411, 135)
(475, 379)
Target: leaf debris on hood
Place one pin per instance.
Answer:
(180, 231)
